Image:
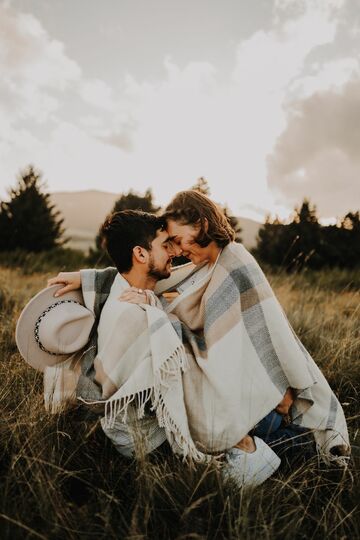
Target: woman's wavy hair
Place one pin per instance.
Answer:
(193, 208)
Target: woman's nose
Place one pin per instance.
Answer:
(175, 250)
(178, 251)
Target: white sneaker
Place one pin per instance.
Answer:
(250, 469)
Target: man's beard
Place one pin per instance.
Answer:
(157, 273)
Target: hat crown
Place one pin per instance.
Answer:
(63, 328)
(50, 330)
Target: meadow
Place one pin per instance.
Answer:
(60, 478)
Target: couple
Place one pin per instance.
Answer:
(201, 355)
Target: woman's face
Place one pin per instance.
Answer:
(183, 238)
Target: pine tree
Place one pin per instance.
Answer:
(202, 186)
(270, 247)
(28, 220)
(135, 201)
(341, 242)
(305, 237)
(292, 245)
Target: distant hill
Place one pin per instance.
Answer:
(249, 232)
(84, 211)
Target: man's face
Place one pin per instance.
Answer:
(160, 256)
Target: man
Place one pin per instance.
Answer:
(139, 246)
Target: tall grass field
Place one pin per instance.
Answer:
(60, 478)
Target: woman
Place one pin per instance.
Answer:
(247, 361)
(201, 232)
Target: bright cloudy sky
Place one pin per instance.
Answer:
(262, 97)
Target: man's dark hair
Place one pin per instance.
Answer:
(124, 230)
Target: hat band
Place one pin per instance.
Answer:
(37, 324)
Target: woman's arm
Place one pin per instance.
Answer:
(73, 280)
(70, 280)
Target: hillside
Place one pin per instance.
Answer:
(84, 211)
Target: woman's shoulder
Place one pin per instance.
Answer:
(236, 256)
(238, 251)
(240, 262)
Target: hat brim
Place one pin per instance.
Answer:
(24, 334)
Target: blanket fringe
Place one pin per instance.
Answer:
(168, 374)
(186, 444)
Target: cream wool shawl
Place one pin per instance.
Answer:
(139, 363)
(243, 355)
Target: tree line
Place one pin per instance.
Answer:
(30, 222)
(304, 242)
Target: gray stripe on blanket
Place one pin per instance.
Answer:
(238, 282)
(162, 321)
(102, 282)
(176, 324)
(88, 389)
(259, 335)
(302, 347)
(223, 298)
(159, 323)
(332, 412)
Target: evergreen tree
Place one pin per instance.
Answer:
(304, 242)
(293, 245)
(351, 239)
(202, 186)
(28, 220)
(134, 201)
(269, 244)
(341, 243)
(303, 238)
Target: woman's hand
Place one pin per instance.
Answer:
(170, 296)
(134, 295)
(286, 402)
(70, 280)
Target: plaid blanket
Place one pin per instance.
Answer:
(242, 355)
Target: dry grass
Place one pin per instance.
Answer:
(61, 478)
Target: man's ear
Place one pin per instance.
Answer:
(140, 254)
(206, 224)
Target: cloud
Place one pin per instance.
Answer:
(119, 140)
(271, 60)
(96, 92)
(34, 68)
(328, 75)
(114, 122)
(166, 133)
(318, 153)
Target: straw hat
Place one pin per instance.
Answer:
(50, 330)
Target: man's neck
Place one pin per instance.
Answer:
(136, 279)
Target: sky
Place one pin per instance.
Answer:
(261, 97)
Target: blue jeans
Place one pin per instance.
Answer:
(286, 440)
